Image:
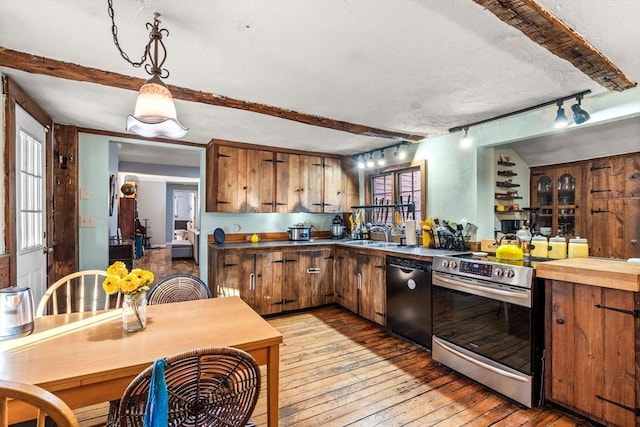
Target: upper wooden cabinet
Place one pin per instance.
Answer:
(613, 206)
(241, 181)
(298, 183)
(253, 180)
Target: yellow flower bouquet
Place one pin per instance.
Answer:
(133, 283)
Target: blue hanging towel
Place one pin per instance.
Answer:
(156, 414)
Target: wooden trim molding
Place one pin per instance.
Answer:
(248, 146)
(545, 29)
(15, 95)
(138, 137)
(65, 193)
(54, 68)
(15, 92)
(5, 261)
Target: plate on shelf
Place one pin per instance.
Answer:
(218, 236)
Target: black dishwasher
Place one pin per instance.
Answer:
(409, 299)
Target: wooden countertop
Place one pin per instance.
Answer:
(606, 273)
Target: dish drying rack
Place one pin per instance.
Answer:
(383, 214)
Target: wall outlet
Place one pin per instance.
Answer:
(84, 194)
(87, 221)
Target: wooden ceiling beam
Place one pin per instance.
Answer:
(51, 67)
(548, 31)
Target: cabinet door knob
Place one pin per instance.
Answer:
(560, 321)
(634, 242)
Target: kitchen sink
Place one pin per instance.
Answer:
(372, 243)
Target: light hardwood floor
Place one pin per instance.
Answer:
(337, 369)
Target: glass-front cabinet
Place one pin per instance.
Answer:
(566, 206)
(543, 200)
(555, 192)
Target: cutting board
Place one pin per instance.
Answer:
(606, 273)
(488, 245)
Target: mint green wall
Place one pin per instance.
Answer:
(93, 175)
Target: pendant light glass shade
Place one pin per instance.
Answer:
(155, 112)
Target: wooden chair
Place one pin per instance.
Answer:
(206, 387)
(78, 290)
(177, 288)
(45, 403)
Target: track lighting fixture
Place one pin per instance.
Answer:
(561, 120)
(368, 160)
(579, 115)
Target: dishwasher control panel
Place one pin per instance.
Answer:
(409, 264)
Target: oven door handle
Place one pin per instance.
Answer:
(484, 365)
(481, 289)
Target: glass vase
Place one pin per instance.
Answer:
(134, 312)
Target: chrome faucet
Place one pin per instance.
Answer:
(382, 228)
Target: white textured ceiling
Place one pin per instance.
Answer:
(413, 66)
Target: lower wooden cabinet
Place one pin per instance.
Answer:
(592, 351)
(360, 283)
(256, 277)
(308, 278)
(276, 281)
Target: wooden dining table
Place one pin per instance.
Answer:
(87, 360)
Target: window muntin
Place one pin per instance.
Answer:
(402, 184)
(30, 193)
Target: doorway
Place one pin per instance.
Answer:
(185, 206)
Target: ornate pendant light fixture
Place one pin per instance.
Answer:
(155, 113)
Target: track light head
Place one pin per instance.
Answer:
(561, 118)
(579, 115)
(400, 153)
(361, 164)
(370, 161)
(466, 140)
(381, 160)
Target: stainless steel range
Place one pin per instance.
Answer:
(488, 324)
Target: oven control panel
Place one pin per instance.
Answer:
(485, 270)
(480, 269)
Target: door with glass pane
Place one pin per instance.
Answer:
(31, 259)
(543, 192)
